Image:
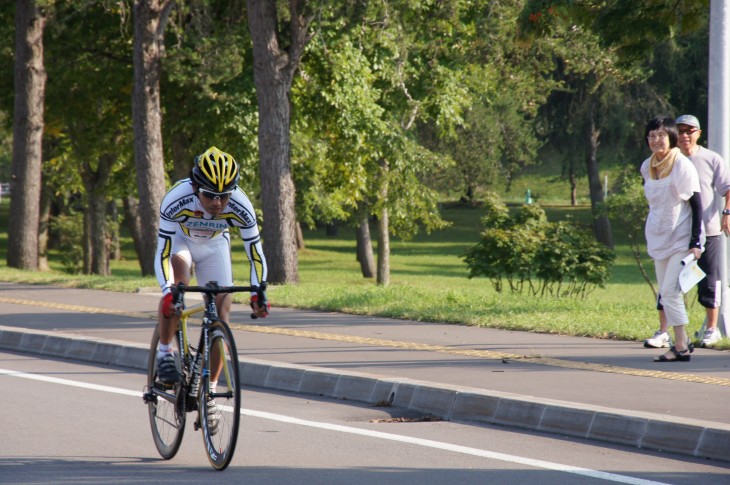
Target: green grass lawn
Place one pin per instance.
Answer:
(428, 283)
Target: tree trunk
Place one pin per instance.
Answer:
(601, 223)
(383, 277)
(277, 183)
(332, 229)
(134, 224)
(274, 69)
(115, 249)
(44, 218)
(300, 236)
(25, 179)
(96, 231)
(87, 246)
(365, 246)
(150, 18)
(573, 189)
(98, 240)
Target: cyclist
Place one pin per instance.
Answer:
(195, 216)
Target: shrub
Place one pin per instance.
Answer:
(537, 256)
(68, 231)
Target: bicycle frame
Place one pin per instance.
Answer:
(191, 356)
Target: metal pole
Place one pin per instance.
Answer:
(718, 122)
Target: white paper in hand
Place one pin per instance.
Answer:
(691, 274)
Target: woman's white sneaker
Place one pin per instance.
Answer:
(711, 337)
(658, 341)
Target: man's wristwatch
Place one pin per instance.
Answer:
(726, 212)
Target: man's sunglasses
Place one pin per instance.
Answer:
(214, 195)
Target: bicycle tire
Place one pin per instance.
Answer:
(220, 438)
(165, 409)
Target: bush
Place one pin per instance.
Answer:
(537, 256)
(68, 231)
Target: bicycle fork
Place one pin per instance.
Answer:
(200, 373)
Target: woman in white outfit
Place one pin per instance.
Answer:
(674, 225)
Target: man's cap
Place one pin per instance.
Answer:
(688, 120)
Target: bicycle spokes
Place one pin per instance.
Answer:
(220, 399)
(165, 407)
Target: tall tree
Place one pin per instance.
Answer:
(274, 68)
(209, 88)
(601, 48)
(25, 183)
(150, 18)
(88, 110)
(383, 80)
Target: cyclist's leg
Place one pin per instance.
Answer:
(168, 368)
(223, 302)
(181, 261)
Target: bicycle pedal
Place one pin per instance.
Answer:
(149, 397)
(162, 386)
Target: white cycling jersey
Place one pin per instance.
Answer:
(187, 229)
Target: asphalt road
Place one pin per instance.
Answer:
(605, 390)
(67, 422)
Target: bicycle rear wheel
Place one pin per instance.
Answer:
(220, 397)
(166, 411)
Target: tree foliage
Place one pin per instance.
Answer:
(88, 108)
(421, 98)
(632, 28)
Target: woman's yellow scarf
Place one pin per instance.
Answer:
(658, 169)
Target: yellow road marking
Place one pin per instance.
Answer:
(77, 308)
(488, 354)
(482, 354)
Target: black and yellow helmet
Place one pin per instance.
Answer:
(215, 170)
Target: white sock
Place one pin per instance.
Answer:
(163, 349)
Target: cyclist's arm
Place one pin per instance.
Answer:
(258, 270)
(178, 204)
(245, 220)
(163, 263)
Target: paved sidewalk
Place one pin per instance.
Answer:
(598, 389)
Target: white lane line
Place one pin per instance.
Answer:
(455, 448)
(587, 472)
(67, 382)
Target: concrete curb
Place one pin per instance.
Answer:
(691, 437)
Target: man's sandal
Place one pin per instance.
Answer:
(679, 355)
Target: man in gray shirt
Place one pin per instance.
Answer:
(714, 184)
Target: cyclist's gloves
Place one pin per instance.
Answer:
(170, 302)
(263, 303)
(168, 306)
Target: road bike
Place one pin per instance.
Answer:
(209, 375)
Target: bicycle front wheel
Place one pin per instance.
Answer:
(220, 397)
(166, 410)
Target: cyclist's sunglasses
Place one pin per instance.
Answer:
(214, 195)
